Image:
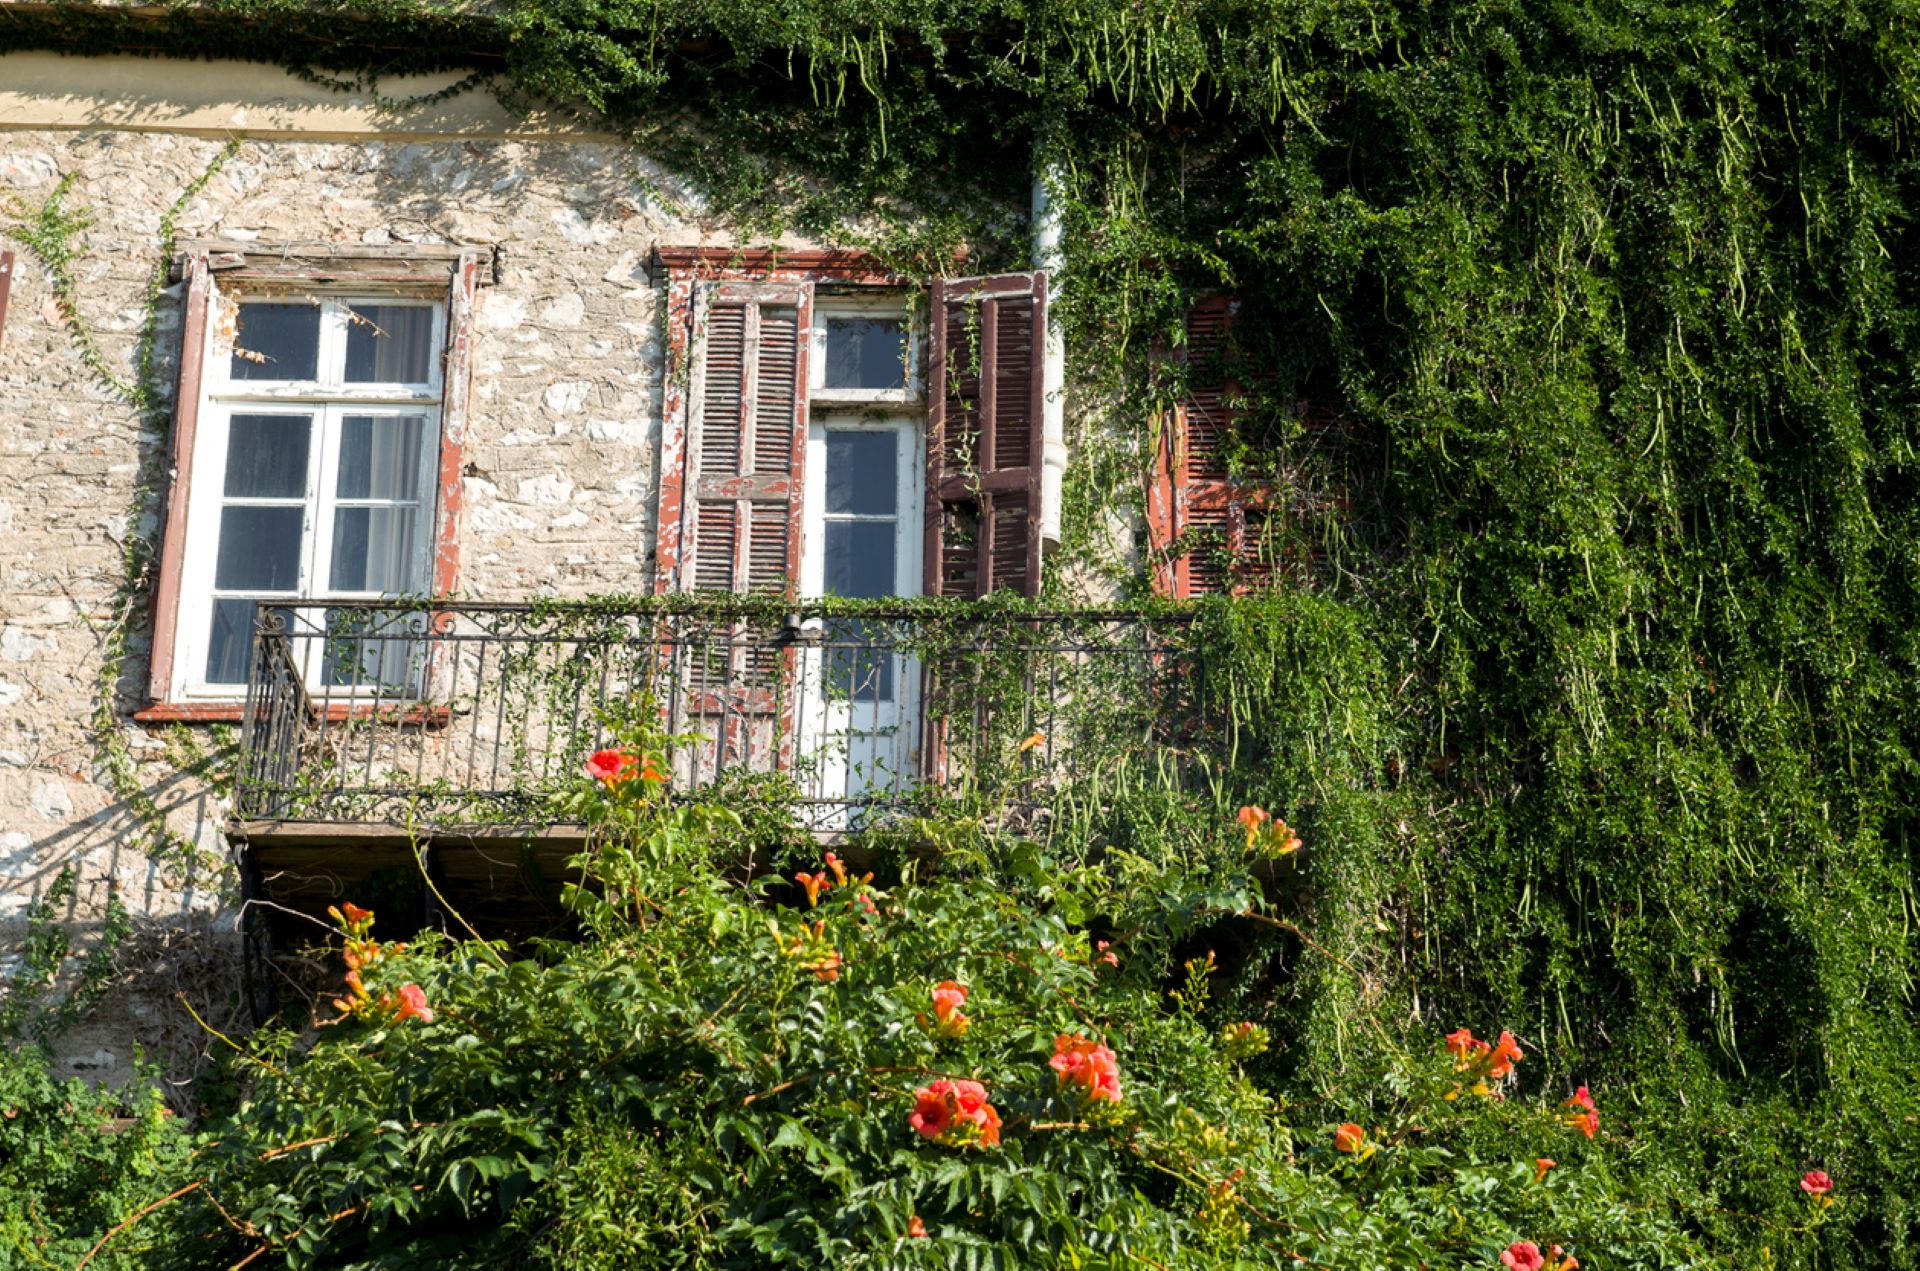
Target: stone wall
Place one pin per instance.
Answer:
(559, 460)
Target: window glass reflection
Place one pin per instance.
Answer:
(274, 341)
(866, 353)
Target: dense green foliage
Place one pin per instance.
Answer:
(75, 1160)
(1585, 330)
(723, 1075)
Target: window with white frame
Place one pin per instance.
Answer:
(865, 349)
(862, 522)
(771, 340)
(316, 453)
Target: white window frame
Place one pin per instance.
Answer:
(328, 399)
(856, 749)
(911, 477)
(892, 304)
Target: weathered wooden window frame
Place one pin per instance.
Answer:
(454, 271)
(687, 271)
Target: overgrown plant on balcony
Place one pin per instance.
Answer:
(931, 1064)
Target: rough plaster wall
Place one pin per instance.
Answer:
(559, 459)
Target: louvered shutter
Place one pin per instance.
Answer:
(740, 484)
(746, 438)
(1207, 530)
(984, 435)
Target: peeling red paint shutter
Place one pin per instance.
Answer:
(741, 453)
(746, 443)
(984, 436)
(1206, 529)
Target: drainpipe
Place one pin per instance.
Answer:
(1048, 254)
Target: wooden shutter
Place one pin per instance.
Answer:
(1207, 530)
(746, 438)
(984, 435)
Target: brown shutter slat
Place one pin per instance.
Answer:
(767, 544)
(1008, 550)
(714, 531)
(1209, 397)
(778, 354)
(1208, 525)
(1015, 401)
(723, 380)
(984, 435)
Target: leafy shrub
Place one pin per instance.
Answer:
(74, 1159)
(945, 1070)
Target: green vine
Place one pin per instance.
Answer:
(55, 233)
(31, 1008)
(1584, 333)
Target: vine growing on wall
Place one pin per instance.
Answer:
(54, 232)
(1586, 332)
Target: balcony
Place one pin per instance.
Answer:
(403, 736)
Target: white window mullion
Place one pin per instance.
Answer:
(910, 526)
(317, 564)
(333, 345)
(317, 581)
(203, 527)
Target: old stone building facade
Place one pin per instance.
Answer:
(554, 493)
(264, 340)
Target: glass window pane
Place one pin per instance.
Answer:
(378, 650)
(277, 342)
(859, 558)
(259, 549)
(373, 550)
(389, 344)
(866, 353)
(380, 456)
(860, 658)
(230, 646)
(862, 472)
(231, 639)
(267, 456)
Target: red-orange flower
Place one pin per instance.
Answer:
(948, 997)
(932, 1115)
(610, 767)
(1522, 1255)
(1541, 1164)
(1037, 739)
(413, 1005)
(916, 1228)
(1506, 1053)
(355, 913)
(1266, 831)
(1087, 1064)
(1586, 1118)
(815, 884)
(1349, 1138)
(839, 870)
(1815, 1182)
(1254, 821)
(989, 1123)
(955, 1113)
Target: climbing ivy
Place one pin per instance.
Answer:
(54, 231)
(1589, 329)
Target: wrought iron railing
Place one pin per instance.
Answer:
(396, 711)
